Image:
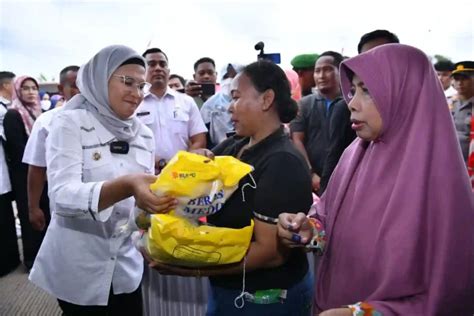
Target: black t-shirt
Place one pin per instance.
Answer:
(341, 136)
(313, 120)
(280, 183)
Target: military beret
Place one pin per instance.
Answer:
(304, 61)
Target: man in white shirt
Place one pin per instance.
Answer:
(444, 68)
(6, 88)
(35, 153)
(176, 123)
(173, 117)
(8, 238)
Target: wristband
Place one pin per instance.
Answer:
(363, 309)
(318, 242)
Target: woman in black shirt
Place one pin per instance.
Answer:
(279, 183)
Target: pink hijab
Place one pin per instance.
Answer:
(399, 212)
(294, 84)
(28, 111)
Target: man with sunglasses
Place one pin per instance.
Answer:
(173, 117)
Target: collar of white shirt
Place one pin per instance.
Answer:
(103, 134)
(4, 101)
(169, 92)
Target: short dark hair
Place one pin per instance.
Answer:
(204, 60)
(6, 76)
(389, 36)
(266, 75)
(181, 79)
(63, 73)
(154, 50)
(338, 58)
(444, 65)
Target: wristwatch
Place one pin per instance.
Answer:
(161, 163)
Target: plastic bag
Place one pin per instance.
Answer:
(200, 184)
(176, 240)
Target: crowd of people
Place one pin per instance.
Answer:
(361, 190)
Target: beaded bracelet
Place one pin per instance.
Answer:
(363, 309)
(318, 242)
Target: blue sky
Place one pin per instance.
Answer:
(43, 36)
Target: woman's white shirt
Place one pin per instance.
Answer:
(84, 250)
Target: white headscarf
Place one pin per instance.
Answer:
(215, 111)
(225, 83)
(92, 81)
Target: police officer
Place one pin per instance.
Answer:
(463, 76)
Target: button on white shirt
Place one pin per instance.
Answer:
(173, 118)
(5, 185)
(80, 258)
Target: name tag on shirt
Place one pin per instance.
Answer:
(119, 147)
(143, 113)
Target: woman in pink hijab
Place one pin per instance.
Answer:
(18, 123)
(395, 225)
(294, 84)
(26, 101)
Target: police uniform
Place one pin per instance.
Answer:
(462, 109)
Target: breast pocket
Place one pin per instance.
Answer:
(148, 119)
(180, 128)
(98, 165)
(144, 160)
(179, 123)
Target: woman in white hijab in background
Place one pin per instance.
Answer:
(215, 112)
(99, 163)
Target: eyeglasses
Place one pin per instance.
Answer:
(130, 82)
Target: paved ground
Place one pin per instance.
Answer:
(18, 296)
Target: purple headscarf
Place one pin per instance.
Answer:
(399, 212)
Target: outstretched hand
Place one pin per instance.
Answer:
(203, 152)
(147, 200)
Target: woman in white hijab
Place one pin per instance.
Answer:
(215, 111)
(99, 163)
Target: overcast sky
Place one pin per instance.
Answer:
(45, 36)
